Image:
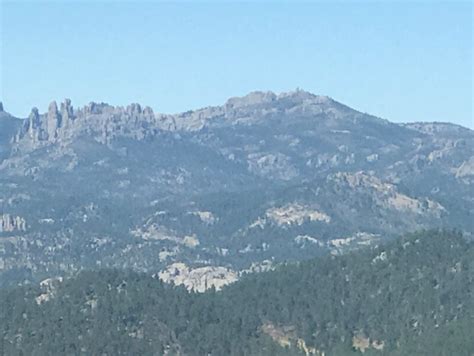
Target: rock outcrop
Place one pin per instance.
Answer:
(10, 223)
(48, 288)
(291, 214)
(32, 126)
(100, 121)
(198, 279)
(466, 169)
(386, 195)
(286, 336)
(47, 128)
(53, 121)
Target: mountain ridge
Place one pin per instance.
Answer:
(257, 97)
(264, 177)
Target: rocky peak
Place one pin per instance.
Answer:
(295, 97)
(34, 112)
(34, 118)
(47, 127)
(134, 109)
(253, 98)
(100, 121)
(67, 111)
(31, 126)
(94, 108)
(53, 120)
(1, 106)
(53, 109)
(148, 111)
(298, 94)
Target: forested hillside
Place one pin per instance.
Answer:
(413, 296)
(262, 178)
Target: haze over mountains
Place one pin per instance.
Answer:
(206, 195)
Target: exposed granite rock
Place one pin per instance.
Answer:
(362, 343)
(272, 165)
(466, 168)
(40, 129)
(198, 279)
(253, 98)
(10, 223)
(104, 122)
(99, 121)
(67, 114)
(291, 214)
(53, 120)
(286, 336)
(32, 125)
(48, 288)
(159, 233)
(386, 195)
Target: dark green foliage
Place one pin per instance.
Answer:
(415, 295)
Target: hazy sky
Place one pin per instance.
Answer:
(401, 61)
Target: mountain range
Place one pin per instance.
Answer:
(202, 197)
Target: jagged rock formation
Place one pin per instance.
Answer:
(104, 122)
(99, 121)
(9, 223)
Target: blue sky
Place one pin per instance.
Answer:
(401, 61)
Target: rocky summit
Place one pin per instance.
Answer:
(222, 190)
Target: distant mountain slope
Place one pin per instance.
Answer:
(261, 179)
(9, 126)
(413, 296)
